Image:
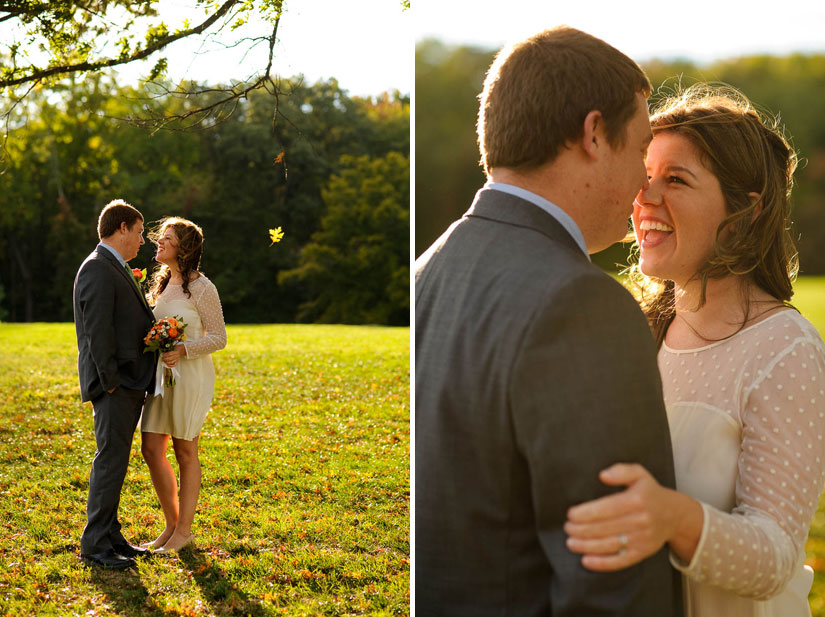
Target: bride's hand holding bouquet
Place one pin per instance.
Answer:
(165, 336)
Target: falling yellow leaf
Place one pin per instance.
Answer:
(278, 159)
(275, 235)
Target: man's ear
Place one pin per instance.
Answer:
(758, 209)
(593, 135)
(124, 228)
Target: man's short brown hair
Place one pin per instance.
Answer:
(537, 94)
(113, 214)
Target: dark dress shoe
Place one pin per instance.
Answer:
(131, 551)
(108, 560)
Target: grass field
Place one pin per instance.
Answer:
(304, 508)
(809, 298)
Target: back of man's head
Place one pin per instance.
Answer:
(115, 213)
(537, 94)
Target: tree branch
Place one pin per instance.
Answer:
(39, 75)
(159, 121)
(6, 117)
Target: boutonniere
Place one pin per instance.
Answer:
(140, 275)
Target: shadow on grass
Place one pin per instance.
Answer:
(217, 589)
(126, 593)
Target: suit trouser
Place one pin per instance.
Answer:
(115, 419)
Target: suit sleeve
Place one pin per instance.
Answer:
(96, 301)
(586, 393)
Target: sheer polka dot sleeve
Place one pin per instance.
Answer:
(208, 304)
(755, 549)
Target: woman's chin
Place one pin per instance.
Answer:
(649, 268)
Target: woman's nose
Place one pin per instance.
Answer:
(650, 195)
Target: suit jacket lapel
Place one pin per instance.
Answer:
(511, 210)
(112, 260)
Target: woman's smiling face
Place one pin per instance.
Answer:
(676, 216)
(167, 246)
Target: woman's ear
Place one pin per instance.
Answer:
(593, 134)
(756, 197)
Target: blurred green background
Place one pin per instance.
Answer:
(448, 79)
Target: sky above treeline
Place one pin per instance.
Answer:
(701, 30)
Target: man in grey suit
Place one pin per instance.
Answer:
(111, 318)
(534, 369)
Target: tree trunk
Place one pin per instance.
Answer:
(27, 281)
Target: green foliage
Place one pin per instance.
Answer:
(159, 70)
(356, 268)
(447, 171)
(69, 32)
(156, 33)
(304, 508)
(448, 79)
(69, 155)
(67, 37)
(125, 48)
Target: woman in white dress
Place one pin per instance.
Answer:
(180, 290)
(743, 373)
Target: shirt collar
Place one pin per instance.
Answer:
(114, 252)
(552, 209)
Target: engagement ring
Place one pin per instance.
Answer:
(622, 544)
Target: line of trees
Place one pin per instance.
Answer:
(329, 169)
(448, 79)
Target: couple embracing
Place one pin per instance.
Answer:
(112, 317)
(576, 455)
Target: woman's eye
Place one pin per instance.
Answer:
(675, 179)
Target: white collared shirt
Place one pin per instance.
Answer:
(552, 209)
(114, 252)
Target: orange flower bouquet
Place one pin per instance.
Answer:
(163, 337)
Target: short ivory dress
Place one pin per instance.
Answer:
(181, 410)
(747, 420)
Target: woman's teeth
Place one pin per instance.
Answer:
(648, 225)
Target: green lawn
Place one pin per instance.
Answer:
(809, 298)
(304, 508)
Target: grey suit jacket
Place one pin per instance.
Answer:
(111, 318)
(534, 371)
